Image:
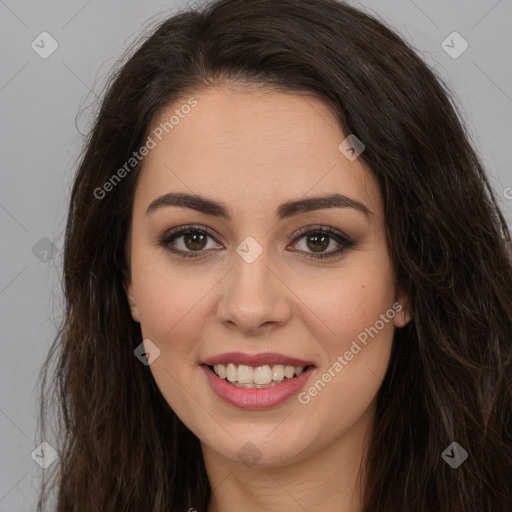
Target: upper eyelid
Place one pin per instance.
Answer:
(178, 231)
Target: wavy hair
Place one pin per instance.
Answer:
(122, 448)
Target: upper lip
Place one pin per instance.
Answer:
(265, 358)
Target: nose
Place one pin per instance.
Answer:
(254, 296)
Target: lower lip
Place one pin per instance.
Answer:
(256, 398)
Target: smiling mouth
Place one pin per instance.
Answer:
(265, 376)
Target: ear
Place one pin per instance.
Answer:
(402, 310)
(128, 288)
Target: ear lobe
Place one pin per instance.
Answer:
(128, 288)
(402, 316)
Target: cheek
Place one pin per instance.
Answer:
(341, 309)
(171, 305)
(353, 322)
(169, 298)
(354, 366)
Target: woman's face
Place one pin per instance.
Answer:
(260, 162)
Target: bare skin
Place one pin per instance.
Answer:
(252, 151)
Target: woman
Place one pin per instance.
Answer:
(287, 279)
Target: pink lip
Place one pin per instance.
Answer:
(256, 398)
(255, 360)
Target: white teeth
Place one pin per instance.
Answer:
(245, 374)
(289, 372)
(261, 376)
(278, 372)
(221, 371)
(299, 370)
(231, 372)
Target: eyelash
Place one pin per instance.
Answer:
(341, 238)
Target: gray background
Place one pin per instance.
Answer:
(40, 100)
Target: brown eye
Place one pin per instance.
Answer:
(318, 243)
(318, 240)
(194, 241)
(187, 240)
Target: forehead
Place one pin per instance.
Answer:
(251, 148)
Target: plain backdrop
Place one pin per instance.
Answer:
(46, 105)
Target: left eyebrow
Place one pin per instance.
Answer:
(287, 209)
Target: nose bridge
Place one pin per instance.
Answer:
(253, 295)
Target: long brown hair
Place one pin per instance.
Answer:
(122, 448)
